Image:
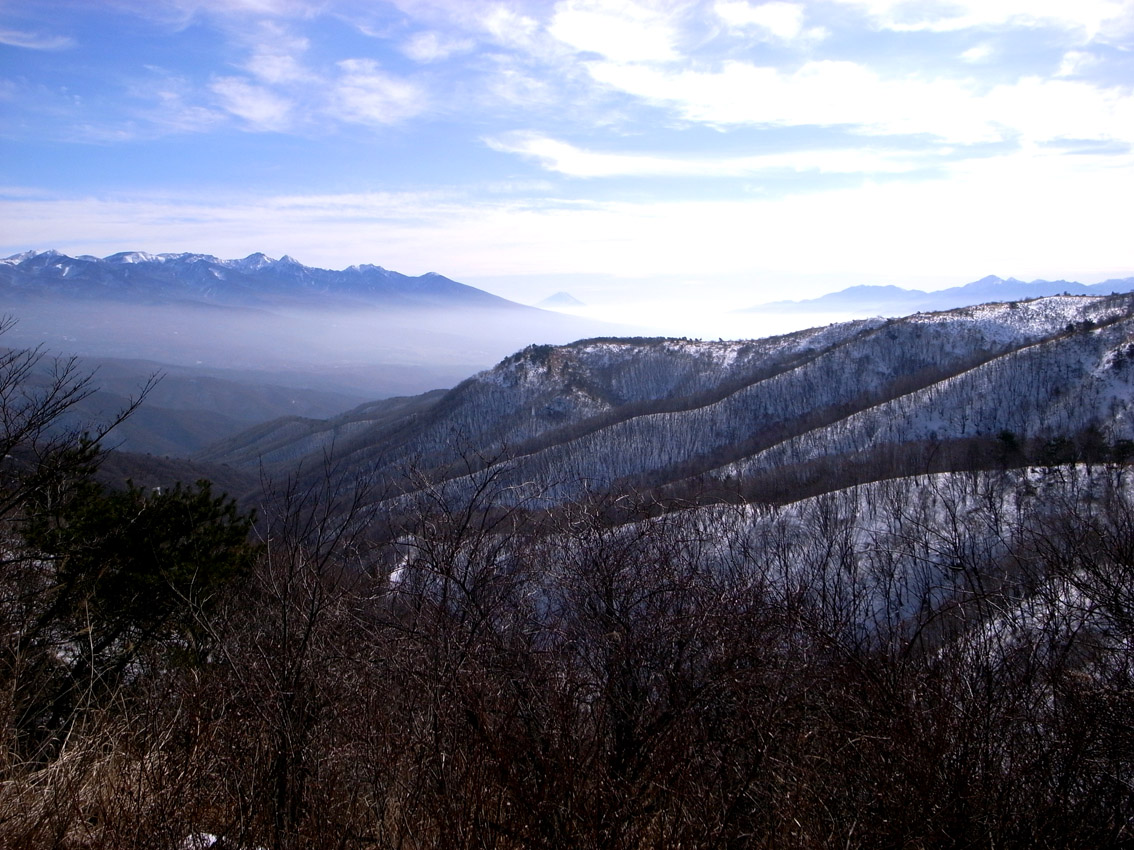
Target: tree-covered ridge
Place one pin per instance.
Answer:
(770, 419)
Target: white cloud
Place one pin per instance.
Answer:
(172, 112)
(274, 55)
(618, 30)
(1088, 17)
(432, 47)
(977, 54)
(276, 68)
(783, 20)
(828, 93)
(507, 26)
(823, 93)
(280, 93)
(514, 85)
(1049, 110)
(35, 40)
(1075, 62)
(568, 159)
(260, 108)
(366, 95)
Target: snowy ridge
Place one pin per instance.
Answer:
(646, 413)
(1056, 388)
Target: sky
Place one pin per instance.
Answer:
(646, 157)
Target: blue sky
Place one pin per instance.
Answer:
(723, 152)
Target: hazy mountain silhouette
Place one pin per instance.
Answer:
(896, 301)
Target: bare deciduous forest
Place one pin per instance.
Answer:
(939, 659)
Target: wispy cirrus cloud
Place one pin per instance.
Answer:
(276, 55)
(35, 40)
(172, 105)
(432, 46)
(507, 26)
(258, 106)
(182, 12)
(285, 91)
(364, 93)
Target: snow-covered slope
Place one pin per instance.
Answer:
(611, 414)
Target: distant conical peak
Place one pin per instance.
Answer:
(561, 299)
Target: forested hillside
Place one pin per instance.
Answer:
(815, 409)
(869, 585)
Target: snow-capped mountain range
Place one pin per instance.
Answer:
(254, 280)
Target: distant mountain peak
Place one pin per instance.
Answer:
(254, 262)
(132, 257)
(561, 299)
(895, 301)
(189, 258)
(19, 258)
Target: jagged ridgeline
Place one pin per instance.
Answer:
(767, 420)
